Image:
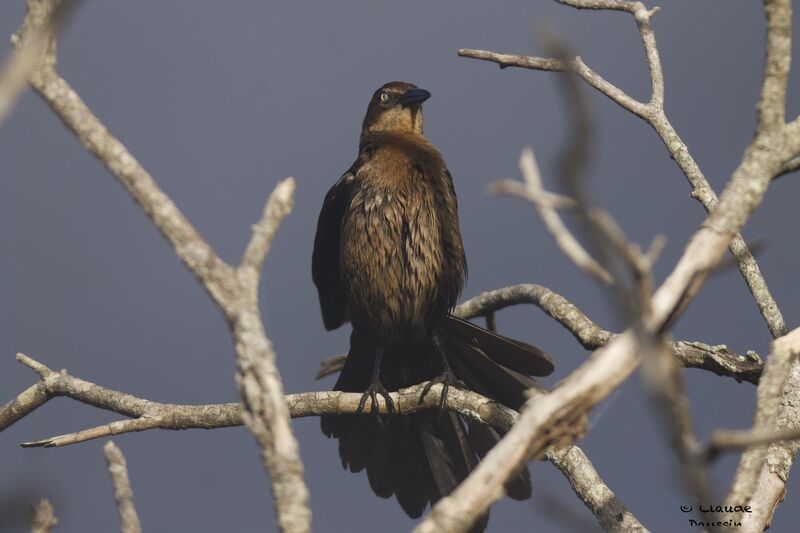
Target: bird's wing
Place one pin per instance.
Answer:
(452, 246)
(325, 260)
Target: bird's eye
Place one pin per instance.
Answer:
(384, 98)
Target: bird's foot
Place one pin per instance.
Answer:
(372, 393)
(447, 379)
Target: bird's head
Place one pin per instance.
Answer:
(395, 107)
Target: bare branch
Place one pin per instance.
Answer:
(715, 358)
(770, 486)
(791, 166)
(611, 513)
(234, 291)
(761, 476)
(774, 412)
(545, 63)
(30, 45)
(123, 494)
(772, 105)
(542, 200)
(147, 414)
(589, 334)
(277, 208)
(43, 517)
(728, 440)
(154, 415)
(653, 113)
(614, 5)
(28, 401)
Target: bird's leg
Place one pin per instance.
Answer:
(375, 388)
(447, 378)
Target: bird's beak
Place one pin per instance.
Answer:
(414, 96)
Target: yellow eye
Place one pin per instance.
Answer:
(384, 98)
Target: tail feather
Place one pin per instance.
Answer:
(440, 458)
(521, 356)
(420, 458)
(412, 479)
(483, 438)
(451, 458)
(497, 383)
(379, 469)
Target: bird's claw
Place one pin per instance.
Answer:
(447, 379)
(372, 393)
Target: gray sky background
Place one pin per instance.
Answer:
(220, 100)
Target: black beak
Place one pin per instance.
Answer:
(414, 96)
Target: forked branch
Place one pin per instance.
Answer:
(234, 290)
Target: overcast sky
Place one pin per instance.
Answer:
(219, 101)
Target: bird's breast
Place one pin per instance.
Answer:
(391, 255)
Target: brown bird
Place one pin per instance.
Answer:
(388, 257)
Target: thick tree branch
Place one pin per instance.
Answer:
(763, 469)
(770, 486)
(154, 415)
(715, 358)
(147, 414)
(123, 494)
(234, 290)
(762, 473)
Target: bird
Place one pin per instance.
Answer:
(388, 258)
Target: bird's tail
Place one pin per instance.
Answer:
(422, 457)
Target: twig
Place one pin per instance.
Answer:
(43, 517)
(123, 495)
(30, 45)
(491, 322)
(729, 440)
(534, 192)
(790, 166)
(235, 290)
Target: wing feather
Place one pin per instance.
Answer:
(325, 260)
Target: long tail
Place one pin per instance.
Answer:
(421, 457)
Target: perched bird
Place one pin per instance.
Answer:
(388, 258)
